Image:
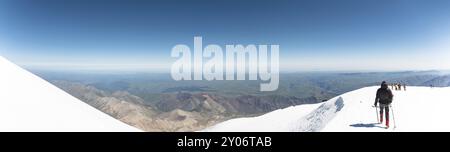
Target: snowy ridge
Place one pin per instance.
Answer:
(29, 103)
(416, 109)
(317, 119)
(274, 121)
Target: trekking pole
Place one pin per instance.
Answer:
(376, 112)
(393, 117)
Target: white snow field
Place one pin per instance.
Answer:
(29, 103)
(416, 109)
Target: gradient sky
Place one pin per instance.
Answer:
(320, 35)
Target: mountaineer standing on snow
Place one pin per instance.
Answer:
(384, 97)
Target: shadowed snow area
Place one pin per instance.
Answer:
(318, 118)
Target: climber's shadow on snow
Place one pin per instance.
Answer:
(368, 125)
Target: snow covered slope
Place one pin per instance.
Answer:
(278, 120)
(29, 103)
(417, 109)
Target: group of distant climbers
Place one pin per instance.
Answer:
(398, 86)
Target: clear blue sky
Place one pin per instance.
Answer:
(313, 35)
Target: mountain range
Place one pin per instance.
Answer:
(154, 102)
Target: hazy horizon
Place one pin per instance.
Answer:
(143, 71)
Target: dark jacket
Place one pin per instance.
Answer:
(384, 95)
